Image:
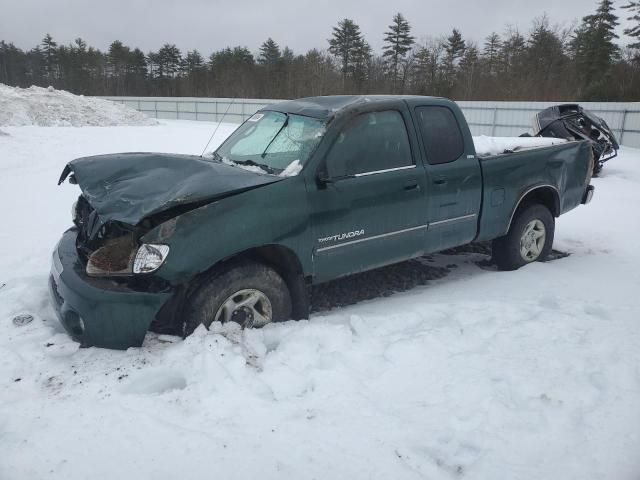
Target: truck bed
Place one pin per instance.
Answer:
(561, 169)
(488, 146)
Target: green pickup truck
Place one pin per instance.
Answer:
(303, 192)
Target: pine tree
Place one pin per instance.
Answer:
(492, 45)
(398, 42)
(35, 65)
(454, 50)
(512, 60)
(138, 72)
(593, 47)
(421, 70)
(193, 62)
(194, 69)
(79, 68)
(13, 64)
(512, 50)
(118, 57)
(469, 70)
(361, 61)
(49, 52)
(170, 59)
(269, 53)
(634, 30)
(544, 58)
(346, 44)
(454, 47)
(427, 73)
(165, 66)
(117, 65)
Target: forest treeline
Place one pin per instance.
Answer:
(583, 62)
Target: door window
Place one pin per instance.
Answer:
(369, 143)
(441, 134)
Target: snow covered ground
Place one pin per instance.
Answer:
(533, 374)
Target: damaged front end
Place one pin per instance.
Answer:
(113, 249)
(125, 196)
(102, 282)
(107, 283)
(572, 122)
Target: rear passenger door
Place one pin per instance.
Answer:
(370, 212)
(454, 181)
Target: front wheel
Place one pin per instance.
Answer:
(248, 293)
(529, 239)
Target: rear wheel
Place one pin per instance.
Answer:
(248, 293)
(529, 239)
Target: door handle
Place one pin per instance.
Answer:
(411, 186)
(440, 181)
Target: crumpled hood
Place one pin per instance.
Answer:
(128, 187)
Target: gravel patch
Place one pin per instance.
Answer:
(385, 281)
(381, 282)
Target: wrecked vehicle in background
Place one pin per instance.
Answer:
(304, 192)
(572, 122)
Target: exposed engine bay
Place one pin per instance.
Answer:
(572, 122)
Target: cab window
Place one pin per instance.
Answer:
(441, 134)
(370, 142)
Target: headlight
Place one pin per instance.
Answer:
(119, 256)
(150, 257)
(115, 257)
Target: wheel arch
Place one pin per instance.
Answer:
(279, 257)
(546, 195)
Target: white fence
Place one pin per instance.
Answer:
(485, 118)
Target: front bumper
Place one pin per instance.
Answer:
(99, 311)
(588, 194)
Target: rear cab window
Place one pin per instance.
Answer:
(443, 140)
(371, 142)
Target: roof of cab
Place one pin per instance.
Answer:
(327, 106)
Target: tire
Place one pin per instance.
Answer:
(237, 286)
(531, 220)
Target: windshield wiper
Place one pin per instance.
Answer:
(218, 158)
(263, 166)
(286, 122)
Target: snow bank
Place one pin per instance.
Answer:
(532, 374)
(496, 145)
(48, 107)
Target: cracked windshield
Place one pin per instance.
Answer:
(274, 142)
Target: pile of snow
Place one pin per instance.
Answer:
(532, 374)
(48, 107)
(496, 145)
(293, 169)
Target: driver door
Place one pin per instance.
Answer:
(371, 210)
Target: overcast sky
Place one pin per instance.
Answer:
(209, 25)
